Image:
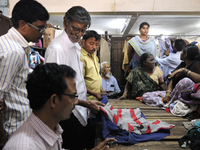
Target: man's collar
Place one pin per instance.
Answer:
(22, 41)
(84, 52)
(70, 43)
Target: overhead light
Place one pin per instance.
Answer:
(125, 23)
(117, 23)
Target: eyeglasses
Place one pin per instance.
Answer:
(77, 30)
(71, 95)
(40, 30)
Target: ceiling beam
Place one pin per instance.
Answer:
(127, 27)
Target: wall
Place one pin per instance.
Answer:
(61, 6)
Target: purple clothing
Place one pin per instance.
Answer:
(39, 44)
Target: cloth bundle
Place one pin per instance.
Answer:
(130, 126)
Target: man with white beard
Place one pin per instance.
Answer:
(109, 82)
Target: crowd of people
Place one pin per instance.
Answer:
(33, 105)
(49, 107)
(163, 81)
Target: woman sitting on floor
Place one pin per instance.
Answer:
(143, 79)
(178, 81)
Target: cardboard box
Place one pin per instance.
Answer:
(48, 37)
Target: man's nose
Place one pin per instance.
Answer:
(80, 34)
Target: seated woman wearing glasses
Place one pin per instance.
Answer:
(146, 78)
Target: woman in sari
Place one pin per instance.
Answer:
(146, 78)
(139, 45)
(183, 77)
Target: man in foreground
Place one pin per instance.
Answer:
(52, 95)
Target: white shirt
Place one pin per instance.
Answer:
(14, 52)
(62, 51)
(35, 135)
(169, 63)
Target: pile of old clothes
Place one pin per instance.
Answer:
(129, 126)
(192, 139)
(188, 101)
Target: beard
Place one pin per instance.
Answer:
(108, 75)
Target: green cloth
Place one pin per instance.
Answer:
(189, 138)
(141, 83)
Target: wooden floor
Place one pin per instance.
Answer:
(152, 113)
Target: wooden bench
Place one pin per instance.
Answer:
(152, 113)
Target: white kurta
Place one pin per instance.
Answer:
(169, 63)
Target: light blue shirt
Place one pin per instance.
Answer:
(110, 84)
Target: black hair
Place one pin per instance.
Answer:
(45, 81)
(91, 33)
(144, 57)
(29, 11)
(79, 14)
(179, 44)
(192, 51)
(142, 24)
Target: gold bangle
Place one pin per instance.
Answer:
(188, 74)
(183, 69)
(125, 95)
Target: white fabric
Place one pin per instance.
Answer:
(169, 63)
(104, 51)
(181, 109)
(141, 47)
(58, 32)
(62, 51)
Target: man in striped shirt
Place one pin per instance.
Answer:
(29, 23)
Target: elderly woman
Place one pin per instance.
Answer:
(146, 78)
(184, 76)
(139, 45)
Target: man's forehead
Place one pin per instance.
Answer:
(79, 24)
(106, 65)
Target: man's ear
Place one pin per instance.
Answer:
(83, 42)
(22, 25)
(64, 23)
(144, 62)
(53, 100)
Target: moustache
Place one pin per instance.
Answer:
(74, 35)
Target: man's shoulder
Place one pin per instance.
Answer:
(112, 77)
(23, 138)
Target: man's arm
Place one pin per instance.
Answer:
(163, 62)
(166, 53)
(103, 145)
(97, 95)
(91, 105)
